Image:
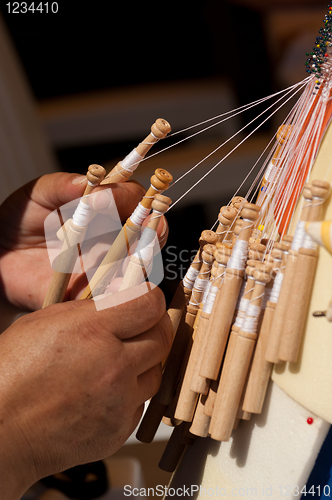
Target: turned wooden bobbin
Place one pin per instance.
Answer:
(237, 360)
(237, 202)
(72, 235)
(125, 168)
(141, 259)
(225, 218)
(277, 326)
(184, 289)
(260, 370)
(226, 299)
(126, 237)
(303, 281)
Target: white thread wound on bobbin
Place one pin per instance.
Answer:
(208, 305)
(199, 286)
(275, 292)
(144, 249)
(298, 235)
(139, 215)
(190, 277)
(131, 161)
(241, 313)
(82, 214)
(238, 258)
(206, 291)
(271, 172)
(251, 320)
(309, 243)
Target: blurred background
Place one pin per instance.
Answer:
(84, 85)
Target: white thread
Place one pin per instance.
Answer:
(199, 287)
(82, 214)
(206, 291)
(144, 249)
(271, 172)
(275, 292)
(251, 320)
(157, 139)
(92, 183)
(139, 215)
(131, 161)
(241, 313)
(208, 305)
(298, 235)
(190, 277)
(239, 255)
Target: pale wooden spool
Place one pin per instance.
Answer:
(260, 370)
(272, 350)
(225, 303)
(236, 365)
(136, 270)
(175, 447)
(119, 173)
(302, 284)
(183, 293)
(187, 397)
(201, 422)
(126, 237)
(73, 235)
(225, 221)
(201, 384)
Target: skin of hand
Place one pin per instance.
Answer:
(73, 379)
(24, 260)
(73, 383)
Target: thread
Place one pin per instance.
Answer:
(209, 301)
(139, 215)
(251, 320)
(190, 277)
(275, 292)
(239, 255)
(144, 249)
(82, 214)
(131, 161)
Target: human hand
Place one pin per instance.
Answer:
(24, 260)
(74, 381)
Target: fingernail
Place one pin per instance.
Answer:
(79, 179)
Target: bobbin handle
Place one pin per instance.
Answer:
(141, 259)
(125, 168)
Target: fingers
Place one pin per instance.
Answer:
(132, 311)
(148, 349)
(124, 197)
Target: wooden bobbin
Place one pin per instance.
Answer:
(272, 350)
(237, 362)
(201, 422)
(237, 202)
(260, 370)
(150, 421)
(120, 173)
(226, 299)
(183, 333)
(136, 270)
(225, 218)
(183, 292)
(72, 236)
(303, 282)
(201, 384)
(126, 237)
(187, 397)
(179, 440)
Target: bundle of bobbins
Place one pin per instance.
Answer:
(221, 349)
(73, 231)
